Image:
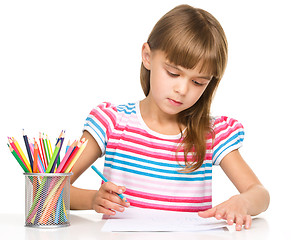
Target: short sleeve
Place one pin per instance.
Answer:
(229, 135)
(100, 123)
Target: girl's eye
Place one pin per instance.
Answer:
(173, 74)
(197, 83)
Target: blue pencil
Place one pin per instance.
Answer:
(105, 180)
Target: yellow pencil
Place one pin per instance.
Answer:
(69, 168)
(49, 146)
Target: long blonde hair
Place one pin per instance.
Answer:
(190, 36)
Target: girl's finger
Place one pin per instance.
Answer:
(111, 205)
(238, 223)
(230, 218)
(100, 209)
(109, 186)
(220, 214)
(208, 213)
(248, 221)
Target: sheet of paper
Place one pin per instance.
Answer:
(148, 220)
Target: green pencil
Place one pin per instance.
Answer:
(46, 150)
(18, 159)
(53, 158)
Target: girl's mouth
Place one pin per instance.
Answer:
(174, 102)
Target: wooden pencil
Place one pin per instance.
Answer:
(66, 157)
(28, 149)
(18, 159)
(52, 160)
(70, 167)
(72, 155)
(46, 150)
(42, 151)
(22, 154)
(35, 160)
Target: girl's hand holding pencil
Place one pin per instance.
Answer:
(107, 201)
(109, 198)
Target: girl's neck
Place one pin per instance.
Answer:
(158, 121)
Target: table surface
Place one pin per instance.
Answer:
(88, 224)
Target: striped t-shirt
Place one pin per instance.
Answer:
(147, 162)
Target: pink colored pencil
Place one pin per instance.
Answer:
(66, 157)
(12, 144)
(71, 156)
(44, 160)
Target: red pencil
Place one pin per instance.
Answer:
(71, 156)
(44, 160)
(12, 144)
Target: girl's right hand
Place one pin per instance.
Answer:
(107, 201)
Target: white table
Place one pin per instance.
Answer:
(88, 224)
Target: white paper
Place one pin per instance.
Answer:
(148, 220)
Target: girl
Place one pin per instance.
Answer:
(159, 152)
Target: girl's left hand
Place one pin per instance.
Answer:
(232, 210)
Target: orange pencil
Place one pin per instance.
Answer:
(35, 153)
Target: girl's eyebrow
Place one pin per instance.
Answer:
(208, 78)
(173, 66)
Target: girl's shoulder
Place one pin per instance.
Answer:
(223, 122)
(127, 108)
(228, 135)
(113, 113)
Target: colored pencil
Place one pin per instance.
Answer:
(48, 193)
(35, 157)
(42, 151)
(67, 147)
(70, 167)
(11, 143)
(67, 155)
(22, 154)
(52, 160)
(72, 155)
(61, 138)
(18, 159)
(58, 156)
(49, 146)
(52, 202)
(46, 150)
(28, 149)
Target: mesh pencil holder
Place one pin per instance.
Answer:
(47, 200)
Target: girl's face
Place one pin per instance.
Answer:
(173, 88)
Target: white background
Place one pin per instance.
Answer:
(58, 59)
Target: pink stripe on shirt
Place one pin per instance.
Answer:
(140, 204)
(164, 198)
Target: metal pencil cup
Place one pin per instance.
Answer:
(47, 200)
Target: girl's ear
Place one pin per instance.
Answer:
(146, 56)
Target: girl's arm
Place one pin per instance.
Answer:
(252, 200)
(105, 199)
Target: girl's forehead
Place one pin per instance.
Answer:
(203, 66)
(198, 68)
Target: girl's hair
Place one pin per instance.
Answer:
(190, 37)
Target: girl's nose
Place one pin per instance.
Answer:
(181, 87)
